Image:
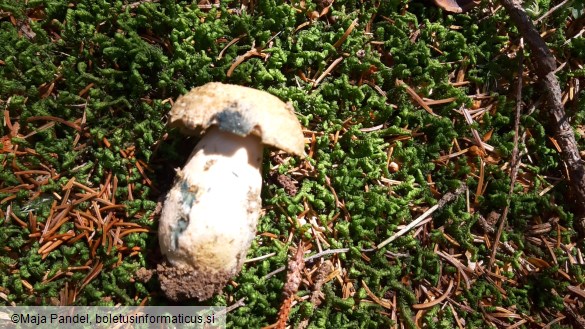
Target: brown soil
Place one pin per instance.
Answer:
(184, 283)
(143, 275)
(288, 184)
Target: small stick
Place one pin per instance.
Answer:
(380, 301)
(259, 258)
(552, 10)
(515, 159)
(234, 41)
(240, 302)
(416, 97)
(545, 66)
(136, 4)
(92, 274)
(346, 34)
(254, 52)
(458, 265)
(439, 101)
(240, 59)
(134, 230)
(326, 252)
(444, 200)
(327, 71)
(435, 301)
(315, 256)
(60, 219)
(408, 227)
(18, 220)
(56, 119)
(474, 132)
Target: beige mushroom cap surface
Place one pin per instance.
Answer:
(241, 111)
(457, 6)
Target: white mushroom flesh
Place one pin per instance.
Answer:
(209, 217)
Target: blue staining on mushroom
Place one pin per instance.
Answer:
(233, 121)
(182, 224)
(189, 196)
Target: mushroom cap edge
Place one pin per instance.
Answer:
(239, 110)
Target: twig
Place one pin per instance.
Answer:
(326, 252)
(380, 301)
(545, 66)
(259, 258)
(409, 226)
(458, 265)
(56, 119)
(578, 35)
(319, 255)
(136, 4)
(435, 301)
(478, 141)
(253, 52)
(552, 10)
(346, 34)
(578, 318)
(327, 71)
(240, 59)
(240, 302)
(515, 159)
(444, 200)
(416, 97)
(308, 259)
(234, 41)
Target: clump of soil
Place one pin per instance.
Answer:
(184, 283)
(143, 275)
(288, 184)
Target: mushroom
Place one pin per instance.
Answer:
(456, 6)
(209, 216)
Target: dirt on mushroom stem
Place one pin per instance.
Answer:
(210, 215)
(182, 283)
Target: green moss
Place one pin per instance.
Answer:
(117, 66)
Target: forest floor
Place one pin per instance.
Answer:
(409, 115)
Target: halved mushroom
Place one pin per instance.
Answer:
(210, 214)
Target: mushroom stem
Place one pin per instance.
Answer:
(209, 217)
(210, 214)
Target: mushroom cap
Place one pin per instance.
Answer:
(241, 111)
(456, 6)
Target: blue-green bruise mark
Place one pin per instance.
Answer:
(230, 119)
(182, 224)
(188, 194)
